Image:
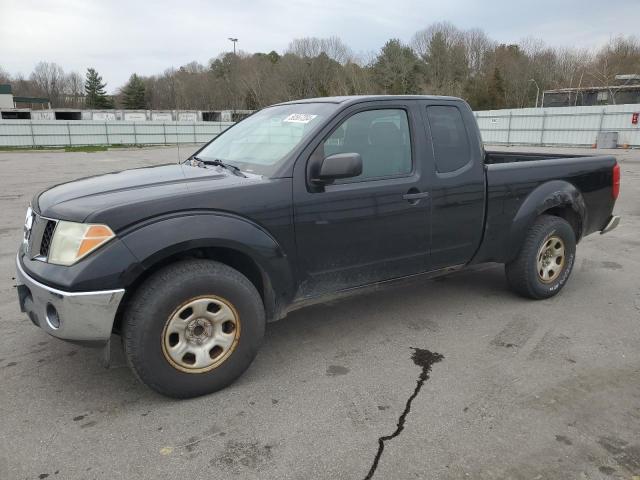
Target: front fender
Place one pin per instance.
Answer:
(162, 238)
(553, 194)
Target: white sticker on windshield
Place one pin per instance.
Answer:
(299, 118)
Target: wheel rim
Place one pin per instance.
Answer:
(201, 334)
(550, 260)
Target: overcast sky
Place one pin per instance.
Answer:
(121, 37)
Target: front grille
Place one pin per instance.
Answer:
(39, 237)
(47, 236)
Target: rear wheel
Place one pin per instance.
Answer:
(545, 260)
(193, 328)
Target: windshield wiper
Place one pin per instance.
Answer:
(219, 163)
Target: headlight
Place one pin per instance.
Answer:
(73, 241)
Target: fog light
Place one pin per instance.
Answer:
(52, 317)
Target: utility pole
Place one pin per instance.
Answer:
(537, 90)
(234, 40)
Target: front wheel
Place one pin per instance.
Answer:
(545, 260)
(192, 328)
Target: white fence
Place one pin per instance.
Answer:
(560, 126)
(57, 133)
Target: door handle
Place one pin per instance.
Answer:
(415, 196)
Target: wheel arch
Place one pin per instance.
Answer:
(232, 241)
(559, 198)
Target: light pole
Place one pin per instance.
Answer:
(234, 40)
(537, 90)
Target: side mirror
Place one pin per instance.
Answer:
(339, 165)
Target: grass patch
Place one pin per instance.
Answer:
(127, 145)
(26, 149)
(73, 148)
(86, 148)
(78, 148)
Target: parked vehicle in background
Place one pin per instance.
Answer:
(300, 201)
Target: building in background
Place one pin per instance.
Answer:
(19, 108)
(33, 103)
(6, 97)
(588, 96)
(26, 108)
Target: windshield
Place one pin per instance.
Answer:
(261, 143)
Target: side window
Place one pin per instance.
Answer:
(381, 137)
(450, 140)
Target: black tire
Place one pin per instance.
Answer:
(156, 301)
(522, 272)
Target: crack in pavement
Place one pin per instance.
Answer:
(424, 359)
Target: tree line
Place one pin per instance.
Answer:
(440, 60)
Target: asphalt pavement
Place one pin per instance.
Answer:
(453, 378)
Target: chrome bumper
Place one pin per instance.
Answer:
(78, 316)
(613, 222)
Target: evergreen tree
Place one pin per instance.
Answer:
(446, 65)
(96, 96)
(496, 90)
(397, 69)
(133, 94)
(273, 56)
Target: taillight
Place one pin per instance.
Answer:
(615, 184)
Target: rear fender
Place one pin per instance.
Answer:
(545, 197)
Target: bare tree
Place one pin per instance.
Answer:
(311, 47)
(49, 78)
(73, 90)
(620, 56)
(477, 46)
(4, 76)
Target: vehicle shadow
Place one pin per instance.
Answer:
(401, 299)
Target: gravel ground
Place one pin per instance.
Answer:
(513, 388)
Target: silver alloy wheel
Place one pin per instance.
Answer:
(550, 259)
(201, 334)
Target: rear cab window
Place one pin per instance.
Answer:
(450, 138)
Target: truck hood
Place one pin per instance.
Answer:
(150, 190)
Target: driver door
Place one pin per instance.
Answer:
(372, 227)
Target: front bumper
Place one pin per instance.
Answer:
(77, 316)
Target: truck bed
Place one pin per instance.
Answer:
(516, 178)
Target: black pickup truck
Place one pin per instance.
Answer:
(295, 204)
